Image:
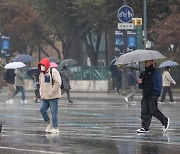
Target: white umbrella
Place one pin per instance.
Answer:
(14, 65)
(138, 56)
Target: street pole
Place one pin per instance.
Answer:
(124, 71)
(145, 23)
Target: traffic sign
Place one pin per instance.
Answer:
(125, 26)
(125, 13)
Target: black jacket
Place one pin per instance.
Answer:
(9, 76)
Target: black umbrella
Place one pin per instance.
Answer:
(112, 67)
(68, 62)
(33, 71)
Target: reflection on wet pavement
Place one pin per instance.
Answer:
(90, 125)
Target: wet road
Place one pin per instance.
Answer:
(96, 123)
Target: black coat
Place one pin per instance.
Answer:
(9, 76)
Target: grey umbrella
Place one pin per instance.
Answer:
(25, 58)
(138, 56)
(168, 63)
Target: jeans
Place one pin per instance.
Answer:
(19, 88)
(149, 108)
(53, 105)
(10, 90)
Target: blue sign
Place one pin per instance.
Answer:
(5, 43)
(5, 46)
(125, 13)
(120, 41)
(131, 40)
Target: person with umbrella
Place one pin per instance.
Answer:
(116, 75)
(167, 80)
(65, 74)
(34, 74)
(19, 83)
(9, 77)
(150, 81)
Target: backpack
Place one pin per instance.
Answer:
(62, 86)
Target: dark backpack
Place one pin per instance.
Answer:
(62, 87)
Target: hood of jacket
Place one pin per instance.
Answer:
(45, 62)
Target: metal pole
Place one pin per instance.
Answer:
(124, 71)
(145, 23)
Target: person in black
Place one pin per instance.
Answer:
(65, 75)
(117, 76)
(150, 82)
(9, 77)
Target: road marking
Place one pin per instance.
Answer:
(28, 150)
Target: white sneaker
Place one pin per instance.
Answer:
(24, 101)
(173, 102)
(48, 128)
(166, 126)
(54, 131)
(142, 130)
(160, 102)
(10, 101)
(126, 99)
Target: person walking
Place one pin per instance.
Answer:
(150, 81)
(50, 93)
(132, 81)
(19, 83)
(167, 80)
(9, 77)
(65, 74)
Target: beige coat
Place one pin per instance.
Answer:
(167, 79)
(49, 90)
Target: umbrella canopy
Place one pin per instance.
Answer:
(138, 56)
(54, 59)
(168, 63)
(23, 58)
(14, 65)
(68, 62)
(53, 65)
(33, 71)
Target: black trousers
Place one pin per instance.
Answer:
(165, 90)
(67, 91)
(149, 108)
